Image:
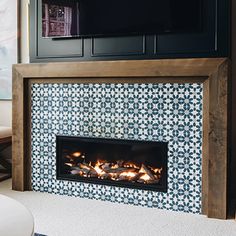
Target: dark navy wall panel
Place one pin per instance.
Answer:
(212, 41)
(118, 46)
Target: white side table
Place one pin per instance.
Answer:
(15, 219)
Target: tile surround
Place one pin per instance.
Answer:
(160, 112)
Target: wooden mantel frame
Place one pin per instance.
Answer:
(211, 72)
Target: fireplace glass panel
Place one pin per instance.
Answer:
(125, 163)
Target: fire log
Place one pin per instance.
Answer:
(73, 159)
(145, 170)
(76, 172)
(83, 170)
(84, 166)
(119, 170)
(92, 174)
(136, 177)
(104, 176)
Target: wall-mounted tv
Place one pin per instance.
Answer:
(68, 18)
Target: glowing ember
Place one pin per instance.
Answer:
(98, 170)
(69, 164)
(156, 170)
(131, 165)
(76, 154)
(128, 174)
(145, 177)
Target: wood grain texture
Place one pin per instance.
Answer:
(18, 155)
(205, 146)
(232, 188)
(218, 139)
(137, 80)
(212, 73)
(136, 68)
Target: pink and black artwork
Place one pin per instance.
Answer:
(59, 18)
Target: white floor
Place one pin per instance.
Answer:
(69, 216)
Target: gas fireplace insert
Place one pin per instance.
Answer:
(117, 162)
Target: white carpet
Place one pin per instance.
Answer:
(69, 216)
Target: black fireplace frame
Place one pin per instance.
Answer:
(162, 186)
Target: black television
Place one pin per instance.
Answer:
(86, 18)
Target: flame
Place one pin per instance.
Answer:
(116, 171)
(156, 170)
(100, 162)
(98, 169)
(115, 166)
(76, 154)
(69, 164)
(142, 170)
(145, 177)
(132, 165)
(128, 174)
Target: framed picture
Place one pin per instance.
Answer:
(9, 14)
(60, 18)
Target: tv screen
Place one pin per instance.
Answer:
(68, 18)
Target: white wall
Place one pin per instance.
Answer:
(6, 106)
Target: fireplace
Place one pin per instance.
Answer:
(124, 163)
(159, 100)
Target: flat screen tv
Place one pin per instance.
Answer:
(85, 18)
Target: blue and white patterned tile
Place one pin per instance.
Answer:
(158, 112)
